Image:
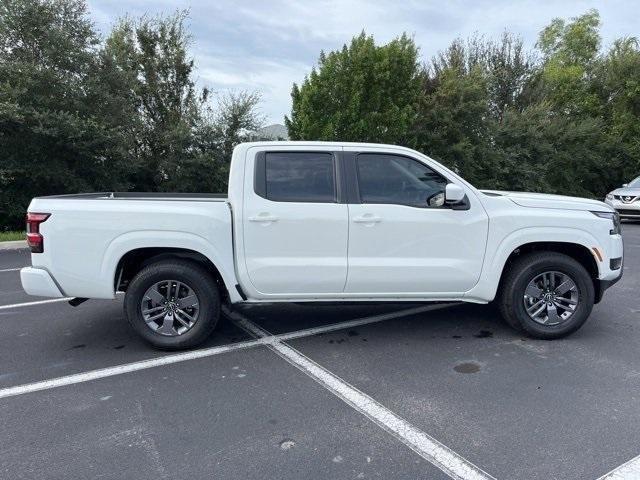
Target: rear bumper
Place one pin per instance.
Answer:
(39, 282)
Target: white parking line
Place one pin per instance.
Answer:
(125, 368)
(628, 471)
(31, 304)
(10, 269)
(439, 455)
(195, 354)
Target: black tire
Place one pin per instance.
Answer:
(200, 282)
(522, 271)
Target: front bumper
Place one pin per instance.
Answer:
(628, 211)
(603, 285)
(611, 265)
(39, 282)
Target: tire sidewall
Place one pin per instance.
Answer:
(586, 296)
(201, 284)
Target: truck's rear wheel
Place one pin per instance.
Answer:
(173, 304)
(547, 295)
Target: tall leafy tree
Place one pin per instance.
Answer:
(152, 52)
(223, 125)
(363, 92)
(570, 57)
(618, 78)
(183, 139)
(452, 126)
(56, 132)
(562, 119)
(467, 90)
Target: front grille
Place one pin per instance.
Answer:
(626, 198)
(623, 211)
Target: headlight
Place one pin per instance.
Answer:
(614, 217)
(609, 196)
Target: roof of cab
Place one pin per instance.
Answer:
(305, 143)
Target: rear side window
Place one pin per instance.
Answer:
(387, 178)
(296, 177)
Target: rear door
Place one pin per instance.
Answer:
(294, 222)
(402, 240)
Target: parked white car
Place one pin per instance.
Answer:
(319, 221)
(626, 200)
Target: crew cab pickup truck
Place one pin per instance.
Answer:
(330, 222)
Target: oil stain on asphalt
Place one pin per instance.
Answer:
(484, 334)
(467, 367)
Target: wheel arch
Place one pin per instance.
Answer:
(574, 242)
(577, 251)
(135, 260)
(127, 254)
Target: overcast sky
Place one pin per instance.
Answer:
(267, 45)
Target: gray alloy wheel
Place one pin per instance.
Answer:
(546, 294)
(173, 303)
(170, 308)
(551, 298)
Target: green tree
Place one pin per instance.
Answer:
(564, 119)
(618, 77)
(505, 67)
(183, 141)
(548, 153)
(467, 90)
(363, 92)
(570, 57)
(152, 53)
(452, 126)
(223, 125)
(56, 130)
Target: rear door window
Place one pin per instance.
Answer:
(298, 177)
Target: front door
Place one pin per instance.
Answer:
(295, 230)
(402, 239)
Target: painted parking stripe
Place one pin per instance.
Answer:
(628, 471)
(10, 269)
(125, 368)
(31, 304)
(439, 455)
(192, 355)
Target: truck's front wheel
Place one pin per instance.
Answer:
(547, 295)
(173, 304)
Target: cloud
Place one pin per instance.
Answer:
(266, 46)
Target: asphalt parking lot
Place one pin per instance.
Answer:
(352, 391)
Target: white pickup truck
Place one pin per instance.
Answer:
(319, 221)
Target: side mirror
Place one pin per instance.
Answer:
(453, 194)
(624, 185)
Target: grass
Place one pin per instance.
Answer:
(10, 236)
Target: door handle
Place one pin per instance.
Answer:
(263, 218)
(367, 218)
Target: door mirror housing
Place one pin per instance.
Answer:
(454, 194)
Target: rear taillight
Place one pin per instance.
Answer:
(34, 237)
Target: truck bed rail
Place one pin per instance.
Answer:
(216, 197)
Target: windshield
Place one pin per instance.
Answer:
(635, 183)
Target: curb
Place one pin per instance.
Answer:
(18, 244)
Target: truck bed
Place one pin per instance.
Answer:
(86, 235)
